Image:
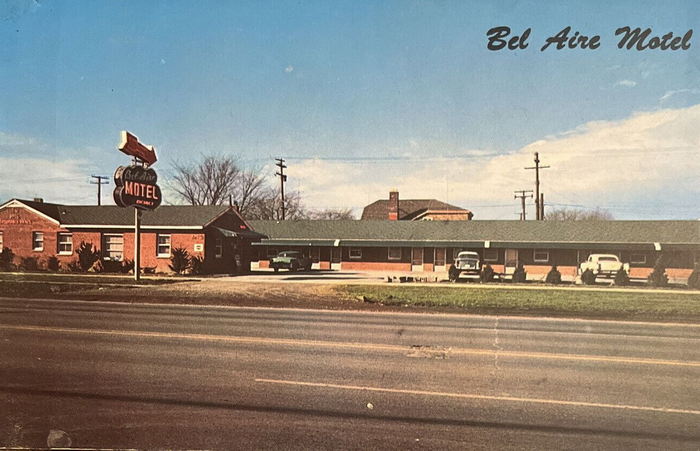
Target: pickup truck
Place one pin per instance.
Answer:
(291, 260)
(466, 262)
(604, 265)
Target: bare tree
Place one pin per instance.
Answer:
(565, 214)
(331, 213)
(207, 183)
(248, 188)
(268, 205)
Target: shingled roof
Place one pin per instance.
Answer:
(408, 208)
(486, 233)
(111, 215)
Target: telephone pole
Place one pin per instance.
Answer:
(283, 178)
(538, 201)
(523, 195)
(101, 180)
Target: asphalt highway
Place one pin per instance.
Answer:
(110, 375)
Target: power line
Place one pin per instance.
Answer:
(283, 178)
(523, 195)
(101, 180)
(539, 199)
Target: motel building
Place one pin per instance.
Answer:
(430, 246)
(217, 234)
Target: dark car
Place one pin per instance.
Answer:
(291, 260)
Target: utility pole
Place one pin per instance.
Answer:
(283, 178)
(101, 180)
(537, 167)
(523, 195)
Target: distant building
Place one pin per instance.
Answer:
(216, 233)
(394, 209)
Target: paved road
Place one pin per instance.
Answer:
(119, 375)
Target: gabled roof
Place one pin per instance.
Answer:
(493, 233)
(408, 208)
(195, 216)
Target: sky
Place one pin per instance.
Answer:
(359, 97)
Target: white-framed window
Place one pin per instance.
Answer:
(638, 259)
(163, 245)
(218, 248)
(355, 253)
(65, 243)
(113, 246)
(394, 253)
(490, 255)
(37, 241)
(540, 256)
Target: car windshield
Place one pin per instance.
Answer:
(607, 259)
(468, 255)
(288, 254)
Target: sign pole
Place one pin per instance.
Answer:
(137, 244)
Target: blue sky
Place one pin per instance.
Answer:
(332, 86)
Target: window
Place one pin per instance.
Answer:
(539, 256)
(490, 255)
(355, 253)
(2, 244)
(394, 253)
(112, 246)
(65, 243)
(218, 248)
(38, 241)
(638, 259)
(163, 245)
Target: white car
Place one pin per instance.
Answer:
(467, 262)
(604, 265)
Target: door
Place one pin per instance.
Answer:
(440, 254)
(417, 259)
(511, 261)
(335, 258)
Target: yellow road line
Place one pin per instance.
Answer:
(346, 345)
(483, 397)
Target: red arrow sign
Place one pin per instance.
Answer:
(130, 145)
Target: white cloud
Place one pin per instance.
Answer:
(626, 83)
(646, 165)
(55, 181)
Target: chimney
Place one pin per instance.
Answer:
(39, 199)
(394, 205)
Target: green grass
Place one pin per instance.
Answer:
(646, 304)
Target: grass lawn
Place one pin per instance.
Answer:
(635, 304)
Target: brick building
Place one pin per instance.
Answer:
(431, 245)
(216, 233)
(395, 209)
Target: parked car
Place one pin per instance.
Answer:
(604, 265)
(291, 260)
(467, 262)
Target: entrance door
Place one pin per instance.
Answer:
(511, 261)
(417, 259)
(440, 254)
(335, 258)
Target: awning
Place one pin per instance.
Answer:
(295, 242)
